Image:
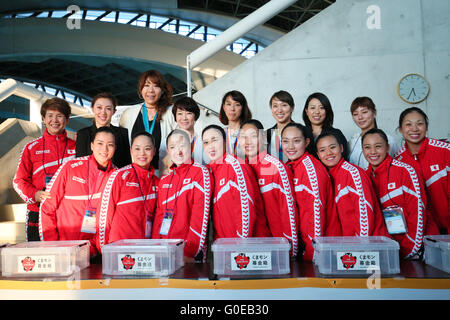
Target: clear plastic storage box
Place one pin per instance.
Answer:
(251, 256)
(45, 258)
(152, 257)
(437, 251)
(356, 255)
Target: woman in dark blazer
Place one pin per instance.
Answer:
(104, 106)
(318, 116)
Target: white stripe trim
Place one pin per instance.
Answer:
(54, 163)
(186, 187)
(84, 197)
(137, 199)
(437, 176)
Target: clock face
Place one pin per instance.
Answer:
(413, 88)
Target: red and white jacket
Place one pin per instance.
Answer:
(397, 183)
(356, 202)
(39, 157)
(128, 204)
(277, 191)
(186, 191)
(315, 201)
(238, 210)
(433, 164)
(77, 184)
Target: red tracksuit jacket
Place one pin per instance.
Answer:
(433, 163)
(315, 201)
(185, 192)
(238, 206)
(397, 183)
(356, 202)
(77, 185)
(128, 204)
(39, 158)
(275, 184)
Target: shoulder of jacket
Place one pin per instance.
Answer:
(33, 143)
(438, 143)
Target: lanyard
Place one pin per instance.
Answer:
(194, 140)
(231, 147)
(140, 189)
(59, 160)
(145, 119)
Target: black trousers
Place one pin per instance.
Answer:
(33, 226)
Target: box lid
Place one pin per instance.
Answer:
(139, 244)
(355, 243)
(256, 243)
(443, 241)
(39, 247)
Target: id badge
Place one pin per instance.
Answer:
(167, 221)
(48, 177)
(89, 221)
(148, 227)
(395, 220)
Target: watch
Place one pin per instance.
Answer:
(413, 88)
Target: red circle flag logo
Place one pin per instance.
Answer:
(348, 260)
(28, 264)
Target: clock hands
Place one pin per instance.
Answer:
(412, 91)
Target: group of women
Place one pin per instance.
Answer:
(156, 177)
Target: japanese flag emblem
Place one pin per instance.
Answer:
(261, 182)
(222, 182)
(295, 181)
(391, 186)
(434, 167)
(186, 181)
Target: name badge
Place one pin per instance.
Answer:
(167, 221)
(395, 220)
(89, 221)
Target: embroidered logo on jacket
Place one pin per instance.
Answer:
(391, 186)
(42, 151)
(70, 151)
(167, 185)
(77, 179)
(132, 184)
(222, 182)
(434, 168)
(186, 181)
(261, 182)
(76, 164)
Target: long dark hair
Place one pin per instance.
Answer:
(246, 114)
(329, 115)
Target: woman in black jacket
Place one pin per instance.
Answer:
(104, 106)
(318, 116)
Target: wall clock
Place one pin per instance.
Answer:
(413, 88)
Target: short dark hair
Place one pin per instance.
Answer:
(364, 102)
(327, 134)
(408, 111)
(105, 95)
(57, 104)
(255, 123)
(188, 104)
(380, 132)
(218, 128)
(143, 133)
(329, 115)
(246, 114)
(299, 126)
(105, 129)
(283, 96)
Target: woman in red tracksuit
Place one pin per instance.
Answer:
(399, 188)
(70, 213)
(129, 199)
(313, 189)
(431, 159)
(275, 184)
(41, 158)
(184, 196)
(356, 202)
(238, 207)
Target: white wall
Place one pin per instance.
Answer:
(336, 53)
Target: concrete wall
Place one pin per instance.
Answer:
(336, 53)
